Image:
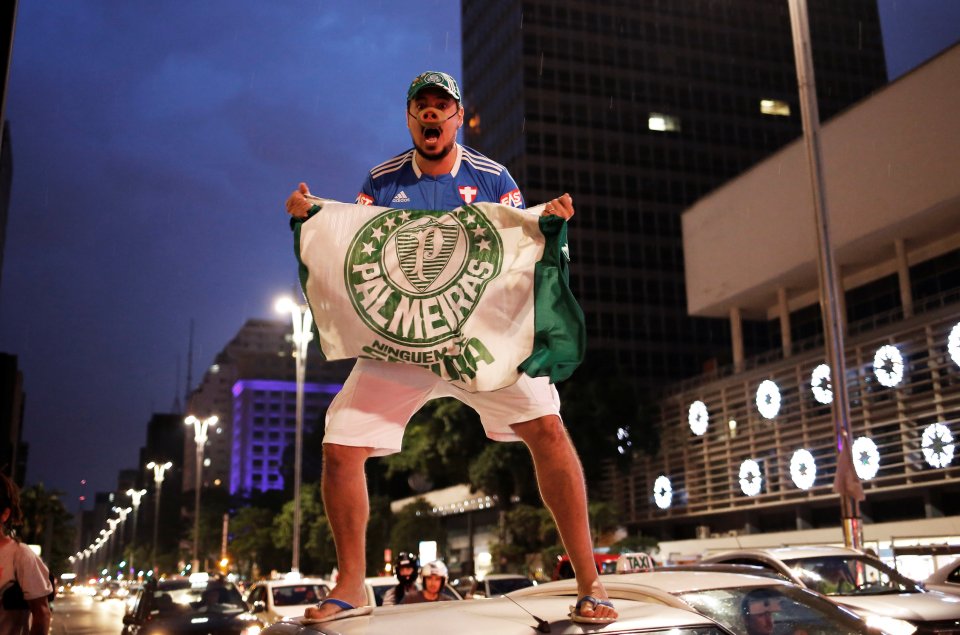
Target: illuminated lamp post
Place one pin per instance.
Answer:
(302, 334)
(136, 495)
(200, 427)
(158, 470)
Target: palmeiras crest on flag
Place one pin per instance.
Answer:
(476, 295)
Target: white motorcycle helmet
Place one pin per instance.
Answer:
(435, 568)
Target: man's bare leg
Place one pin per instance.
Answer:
(564, 492)
(347, 507)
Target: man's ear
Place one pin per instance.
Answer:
(460, 117)
(5, 516)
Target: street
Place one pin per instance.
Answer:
(74, 614)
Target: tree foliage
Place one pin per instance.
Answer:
(46, 522)
(414, 523)
(252, 546)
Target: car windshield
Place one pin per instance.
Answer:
(850, 575)
(506, 585)
(297, 594)
(213, 598)
(773, 610)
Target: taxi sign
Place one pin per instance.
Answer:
(634, 562)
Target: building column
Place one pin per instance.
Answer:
(841, 300)
(903, 276)
(786, 338)
(736, 337)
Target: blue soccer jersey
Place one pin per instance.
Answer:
(399, 183)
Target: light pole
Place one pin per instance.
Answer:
(302, 334)
(158, 470)
(200, 427)
(136, 495)
(122, 512)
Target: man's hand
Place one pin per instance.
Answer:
(298, 205)
(561, 206)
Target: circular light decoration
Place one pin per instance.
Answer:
(937, 445)
(698, 417)
(820, 384)
(662, 492)
(768, 399)
(803, 469)
(750, 478)
(866, 458)
(953, 343)
(888, 365)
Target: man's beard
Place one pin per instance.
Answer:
(437, 155)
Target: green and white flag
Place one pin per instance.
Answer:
(477, 295)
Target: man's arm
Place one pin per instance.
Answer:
(40, 614)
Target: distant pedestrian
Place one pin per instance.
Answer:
(24, 579)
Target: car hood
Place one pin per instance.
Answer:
(204, 622)
(915, 607)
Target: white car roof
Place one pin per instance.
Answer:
(497, 615)
(790, 553)
(658, 585)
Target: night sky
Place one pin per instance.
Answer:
(154, 144)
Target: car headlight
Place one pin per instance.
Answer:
(253, 629)
(890, 625)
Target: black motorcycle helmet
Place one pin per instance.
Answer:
(407, 559)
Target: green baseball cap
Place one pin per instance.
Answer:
(434, 78)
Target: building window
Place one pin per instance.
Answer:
(774, 107)
(663, 123)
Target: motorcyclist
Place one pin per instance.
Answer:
(406, 569)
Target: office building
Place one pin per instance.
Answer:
(638, 109)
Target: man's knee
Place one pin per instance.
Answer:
(547, 430)
(338, 458)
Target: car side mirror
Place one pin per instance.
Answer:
(128, 620)
(258, 607)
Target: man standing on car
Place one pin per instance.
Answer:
(367, 418)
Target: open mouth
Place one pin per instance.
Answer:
(431, 134)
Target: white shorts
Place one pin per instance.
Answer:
(379, 398)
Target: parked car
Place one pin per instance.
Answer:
(274, 600)
(377, 587)
(859, 582)
(494, 584)
(181, 606)
(702, 602)
(946, 579)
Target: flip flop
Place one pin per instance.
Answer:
(347, 610)
(583, 619)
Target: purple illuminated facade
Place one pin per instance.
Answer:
(264, 423)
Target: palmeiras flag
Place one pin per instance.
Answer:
(477, 295)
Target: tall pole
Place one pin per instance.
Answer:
(302, 334)
(136, 495)
(846, 482)
(158, 470)
(200, 427)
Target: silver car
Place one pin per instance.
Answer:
(656, 603)
(946, 579)
(860, 582)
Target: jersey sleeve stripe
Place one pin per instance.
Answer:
(482, 167)
(392, 165)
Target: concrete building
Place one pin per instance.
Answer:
(260, 350)
(638, 109)
(264, 426)
(749, 448)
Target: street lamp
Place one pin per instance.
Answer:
(200, 427)
(158, 470)
(136, 495)
(302, 334)
(122, 512)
